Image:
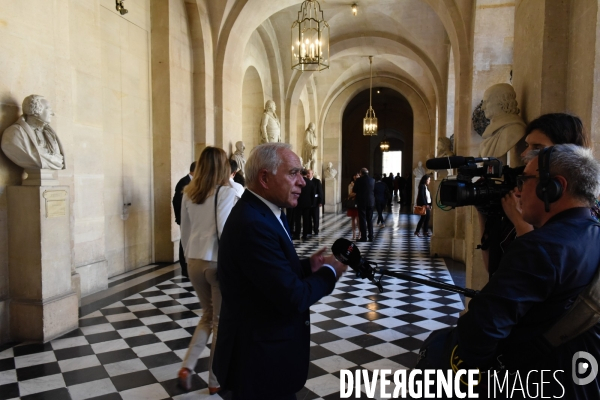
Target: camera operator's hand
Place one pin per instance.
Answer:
(510, 205)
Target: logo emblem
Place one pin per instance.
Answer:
(580, 367)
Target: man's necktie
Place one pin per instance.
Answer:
(283, 219)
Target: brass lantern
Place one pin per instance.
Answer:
(384, 145)
(310, 38)
(370, 120)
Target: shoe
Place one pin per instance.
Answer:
(214, 390)
(370, 240)
(428, 234)
(185, 379)
(316, 233)
(382, 226)
(304, 237)
(417, 234)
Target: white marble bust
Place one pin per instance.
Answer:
(30, 142)
(506, 127)
(270, 129)
(309, 151)
(238, 156)
(330, 172)
(419, 171)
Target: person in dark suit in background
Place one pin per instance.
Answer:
(177, 197)
(365, 201)
(302, 211)
(382, 194)
(315, 213)
(262, 350)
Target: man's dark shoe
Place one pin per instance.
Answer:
(304, 237)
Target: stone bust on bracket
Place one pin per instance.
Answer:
(270, 129)
(329, 172)
(506, 127)
(238, 156)
(30, 142)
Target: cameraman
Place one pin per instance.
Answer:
(546, 130)
(541, 275)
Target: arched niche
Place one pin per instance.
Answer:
(253, 100)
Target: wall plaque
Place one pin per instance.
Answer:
(56, 203)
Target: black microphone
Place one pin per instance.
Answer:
(348, 253)
(454, 162)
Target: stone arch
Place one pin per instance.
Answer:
(334, 106)
(253, 101)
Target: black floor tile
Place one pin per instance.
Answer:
(361, 356)
(73, 352)
(178, 316)
(142, 340)
(103, 337)
(110, 396)
(178, 344)
(130, 323)
(159, 360)
(333, 314)
(329, 325)
(9, 391)
(36, 371)
(410, 329)
(115, 356)
(365, 340)
(164, 326)
(323, 337)
(409, 360)
(134, 302)
(133, 380)
(148, 313)
(408, 343)
(369, 327)
(412, 318)
(314, 371)
(7, 364)
(172, 387)
(84, 375)
(31, 349)
(318, 352)
(167, 303)
(114, 310)
(56, 394)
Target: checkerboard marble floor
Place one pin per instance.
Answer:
(132, 349)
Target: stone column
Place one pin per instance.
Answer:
(43, 303)
(332, 194)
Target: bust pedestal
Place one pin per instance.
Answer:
(332, 194)
(43, 303)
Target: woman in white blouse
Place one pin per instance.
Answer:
(200, 225)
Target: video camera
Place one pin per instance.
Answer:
(485, 192)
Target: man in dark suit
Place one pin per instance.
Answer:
(365, 201)
(317, 201)
(177, 197)
(262, 349)
(302, 210)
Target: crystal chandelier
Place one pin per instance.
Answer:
(310, 38)
(384, 145)
(370, 121)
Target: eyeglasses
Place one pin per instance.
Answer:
(521, 179)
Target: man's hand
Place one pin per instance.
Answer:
(510, 205)
(318, 259)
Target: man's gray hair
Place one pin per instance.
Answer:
(578, 166)
(264, 156)
(32, 105)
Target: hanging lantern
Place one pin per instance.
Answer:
(370, 121)
(310, 38)
(384, 145)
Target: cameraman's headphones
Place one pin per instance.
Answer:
(548, 189)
